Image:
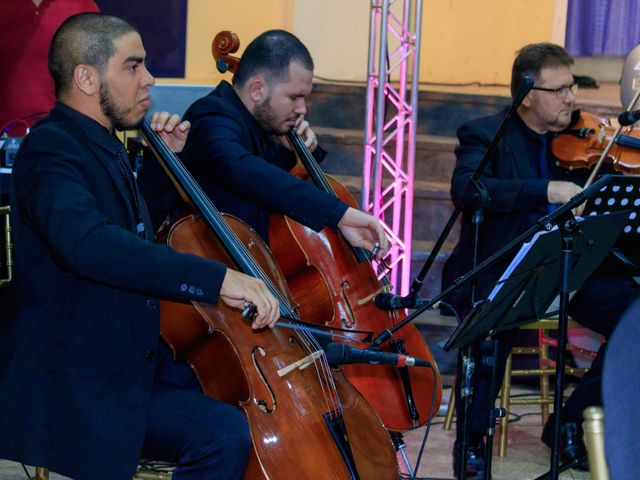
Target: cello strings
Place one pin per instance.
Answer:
(323, 372)
(239, 253)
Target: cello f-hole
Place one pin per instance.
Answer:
(345, 321)
(262, 404)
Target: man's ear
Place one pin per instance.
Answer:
(258, 89)
(87, 79)
(526, 102)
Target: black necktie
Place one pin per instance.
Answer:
(143, 220)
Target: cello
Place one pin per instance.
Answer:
(335, 284)
(278, 379)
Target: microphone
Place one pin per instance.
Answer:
(389, 301)
(526, 84)
(342, 354)
(629, 118)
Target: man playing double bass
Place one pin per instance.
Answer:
(238, 152)
(86, 385)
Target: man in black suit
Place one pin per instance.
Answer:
(523, 183)
(86, 385)
(238, 152)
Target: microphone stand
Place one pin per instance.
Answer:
(479, 199)
(523, 89)
(479, 202)
(567, 225)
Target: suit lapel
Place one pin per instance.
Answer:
(514, 149)
(106, 159)
(101, 146)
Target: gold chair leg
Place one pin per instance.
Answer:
(505, 403)
(451, 408)
(147, 475)
(41, 474)
(593, 427)
(543, 362)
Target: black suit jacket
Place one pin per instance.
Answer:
(244, 171)
(80, 323)
(518, 197)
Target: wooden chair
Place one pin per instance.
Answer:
(546, 367)
(593, 426)
(41, 474)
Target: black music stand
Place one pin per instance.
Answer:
(532, 280)
(622, 193)
(542, 267)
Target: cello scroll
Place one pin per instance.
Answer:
(224, 44)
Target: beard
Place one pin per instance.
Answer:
(114, 112)
(266, 119)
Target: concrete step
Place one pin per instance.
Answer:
(439, 113)
(432, 208)
(434, 157)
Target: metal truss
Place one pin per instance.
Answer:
(390, 127)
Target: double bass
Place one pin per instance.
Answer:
(306, 421)
(335, 284)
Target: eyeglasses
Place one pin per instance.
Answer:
(561, 92)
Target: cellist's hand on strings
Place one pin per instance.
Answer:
(305, 132)
(560, 192)
(365, 231)
(239, 289)
(307, 135)
(171, 129)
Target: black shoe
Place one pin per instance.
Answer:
(572, 447)
(475, 459)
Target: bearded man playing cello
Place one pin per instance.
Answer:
(238, 152)
(86, 384)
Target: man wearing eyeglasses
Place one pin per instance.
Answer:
(524, 184)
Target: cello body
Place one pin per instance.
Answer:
(305, 422)
(334, 288)
(235, 364)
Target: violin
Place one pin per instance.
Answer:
(335, 284)
(306, 421)
(582, 144)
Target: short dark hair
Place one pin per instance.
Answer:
(270, 54)
(533, 58)
(85, 38)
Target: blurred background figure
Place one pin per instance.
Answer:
(26, 29)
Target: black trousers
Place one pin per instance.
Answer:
(598, 305)
(208, 439)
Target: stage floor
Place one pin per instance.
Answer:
(526, 456)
